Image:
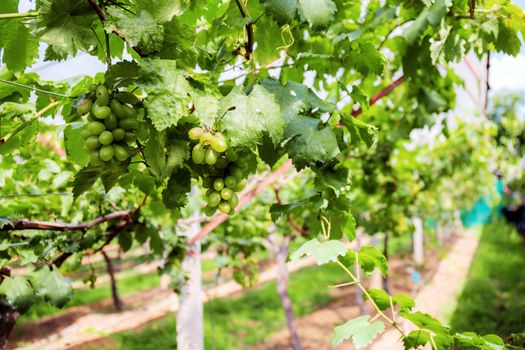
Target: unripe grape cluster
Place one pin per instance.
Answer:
(111, 123)
(223, 172)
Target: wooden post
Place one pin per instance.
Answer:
(190, 316)
(418, 251)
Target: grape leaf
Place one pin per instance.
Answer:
(361, 332)
(141, 30)
(360, 131)
(424, 321)
(416, 338)
(473, 340)
(84, 180)
(162, 10)
(310, 145)
(366, 59)
(360, 97)
(317, 12)
(382, 299)
(168, 92)
(74, 144)
(175, 195)
(155, 154)
(323, 252)
(178, 44)
(252, 116)
(20, 48)
(295, 98)
(18, 292)
(431, 15)
(66, 25)
(370, 258)
(282, 10)
(52, 286)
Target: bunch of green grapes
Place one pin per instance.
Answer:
(111, 122)
(223, 171)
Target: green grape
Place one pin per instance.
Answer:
(197, 154)
(85, 134)
(111, 122)
(226, 193)
(130, 137)
(116, 107)
(205, 139)
(209, 192)
(195, 133)
(233, 201)
(93, 143)
(120, 152)
(241, 185)
(209, 211)
(231, 155)
(84, 107)
(129, 124)
(95, 128)
(102, 95)
(129, 113)
(106, 153)
(218, 143)
(210, 157)
(94, 159)
(118, 134)
(127, 97)
(218, 184)
(214, 199)
(106, 138)
(221, 163)
(101, 112)
(93, 87)
(224, 207)
(236, 173)
(230, 181)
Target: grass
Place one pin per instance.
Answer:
(493, 298)
(127, 285)
(235, 323)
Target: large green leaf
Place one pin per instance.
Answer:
(18, 292)
(323, 252)
(247, 117)
(317, 12)
(310, 145)
(168, 92)
(141, 31)
(50, 284)
(431, 15)
(359, 330)
(20, 48)
(66, 25)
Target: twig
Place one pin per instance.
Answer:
(29, 122)
(249, 28)
(47, 92)
(103, 17)
(18, 15)
(24, 224)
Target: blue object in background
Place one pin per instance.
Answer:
(481, 212)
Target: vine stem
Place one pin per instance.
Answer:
(47, 92)
(249, 28)
(29, 122)
(357, 282)
(18, 15)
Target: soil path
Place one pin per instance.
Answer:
(436, 297)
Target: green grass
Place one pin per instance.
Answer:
(493, 298)
(235, 323)
(127, 285)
